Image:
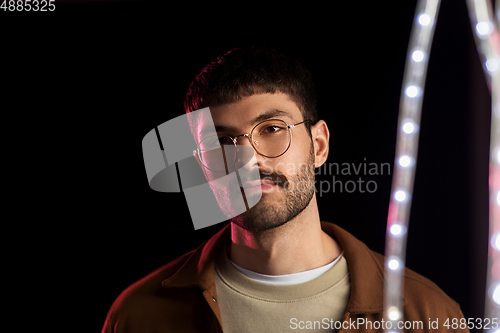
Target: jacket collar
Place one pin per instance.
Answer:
(198, 270)
(367, 279)
(366, 272)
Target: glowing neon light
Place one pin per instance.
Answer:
(487, 38)
(406, 156)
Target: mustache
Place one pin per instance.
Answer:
(276, 177)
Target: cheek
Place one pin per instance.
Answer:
(301, 155)
(300, 163)
(290, 164)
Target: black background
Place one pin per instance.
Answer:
(102, 74)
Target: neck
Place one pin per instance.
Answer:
(296, 246)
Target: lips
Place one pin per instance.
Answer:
(259, 184)
(266, 182)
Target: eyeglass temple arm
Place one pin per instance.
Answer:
(292, 126)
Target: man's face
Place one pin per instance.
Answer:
(287, 184)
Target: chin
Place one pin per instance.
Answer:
(265, 216)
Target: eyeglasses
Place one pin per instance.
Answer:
(270, 138)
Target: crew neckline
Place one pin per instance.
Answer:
(287, 279)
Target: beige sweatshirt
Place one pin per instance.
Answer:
(248, 305)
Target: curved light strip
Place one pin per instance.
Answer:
(487, 37)
(406, 156)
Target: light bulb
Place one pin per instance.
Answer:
(492, 64)
(424, 19)
(405, 161)
(417, 56)
(483, 28)
(496, 294)
(409, 127)
(400, 195)
(495, 241)
(393, 313)
(396, 229)
(393, 264)
(412, 91)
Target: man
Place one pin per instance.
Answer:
(276, 267)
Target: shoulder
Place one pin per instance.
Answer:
(421, 292)
(423, 300)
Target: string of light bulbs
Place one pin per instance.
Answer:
(487, 38)
(406, 157)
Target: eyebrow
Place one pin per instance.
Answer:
(267, 115)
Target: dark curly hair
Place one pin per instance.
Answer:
(253, 70)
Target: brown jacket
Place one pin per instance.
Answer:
(181, 296)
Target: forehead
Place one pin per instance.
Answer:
(242, 115)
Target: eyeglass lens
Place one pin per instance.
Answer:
(270, 138)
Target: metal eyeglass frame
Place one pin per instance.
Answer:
(249, 136)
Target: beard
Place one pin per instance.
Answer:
(298, 190)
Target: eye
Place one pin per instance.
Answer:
(225, 140)
(272, 129)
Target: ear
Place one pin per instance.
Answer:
(320, 137)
